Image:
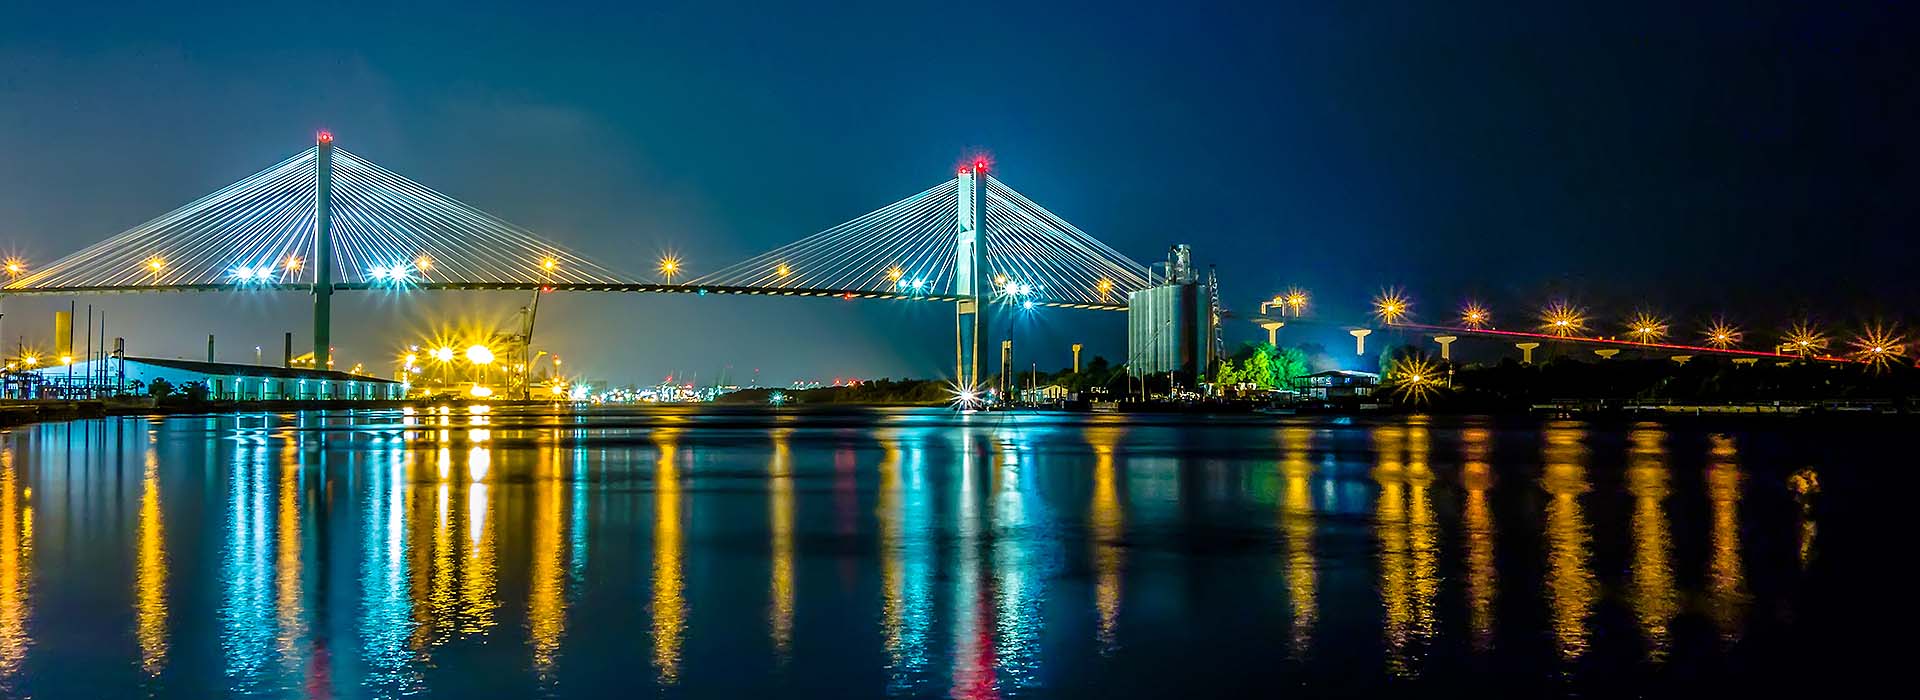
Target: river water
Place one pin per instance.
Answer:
(455, 552)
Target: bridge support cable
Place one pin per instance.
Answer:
(386, 231)
(904, 247)
(908, 248)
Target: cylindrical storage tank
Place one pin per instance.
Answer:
(62, 334)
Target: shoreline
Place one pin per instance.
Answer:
(18, 414)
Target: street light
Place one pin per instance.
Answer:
(669, 266)
(480, 355)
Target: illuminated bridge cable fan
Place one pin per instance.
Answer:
(907, 249)
(388, 231)
(1066, 265)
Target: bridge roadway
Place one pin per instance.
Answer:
(628, 288)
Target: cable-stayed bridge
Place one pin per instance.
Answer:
(327, 220)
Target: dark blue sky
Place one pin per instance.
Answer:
(1749, 158)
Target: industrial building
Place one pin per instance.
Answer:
(1172, 326)
(225, 380)
(1338, 384)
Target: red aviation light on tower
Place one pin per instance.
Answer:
(977, 164)
(323, 137)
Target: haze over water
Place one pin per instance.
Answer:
(863, 553)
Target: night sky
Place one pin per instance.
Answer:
(1754, 159)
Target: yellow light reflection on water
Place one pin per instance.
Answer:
(669, 583)
(1108, 525)
(1727, 595)
(1483, 582)
(892, 574)
(1423, 531)
(16, 568)
(289, 606)
(1409, 543)
(150, 574)
(1652, 593)
(780, 532)
(1390, 527)
(1296, 521)
(479, 572)
(1571, 586)
(546, 593)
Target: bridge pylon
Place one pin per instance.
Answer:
(323, 253)
(970, 278)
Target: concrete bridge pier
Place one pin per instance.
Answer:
(1360, 340)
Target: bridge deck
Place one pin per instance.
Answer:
(608, 287)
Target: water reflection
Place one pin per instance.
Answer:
(1726, 577)
(478, 600)
(1654, 601)
(289, 607)
(907, 546)
(1483, 580)
(1107, 524)
(1408, 541)
(150, 572)
(546, 584)
(1297, 525)
(457, 566)
(1571, 586)
(16, 568)
(972, 614)
(780, 532)
(386, 620)
(1023, 556)
(669, 575)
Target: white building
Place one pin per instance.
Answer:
(229, 381)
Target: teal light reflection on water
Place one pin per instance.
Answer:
(532, 552)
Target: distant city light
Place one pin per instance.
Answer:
(1028, 305)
